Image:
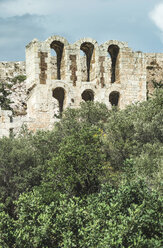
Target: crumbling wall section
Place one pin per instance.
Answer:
(73, 69)
(43, 67)
(110, 73)
(154, 71)
(133, 76)
(83, 66)
(5, 123)
(11, 125)
(53, 67)
(10, 70)
(13, 74)
(128, 80)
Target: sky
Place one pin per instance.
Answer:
(138, 22)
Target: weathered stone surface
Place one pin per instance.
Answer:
(43, 67)
(9, 74)
(73, 68)
(59, 75)
(154, 70)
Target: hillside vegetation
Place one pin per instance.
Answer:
(95, 180)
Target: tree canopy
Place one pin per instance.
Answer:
(95, 180)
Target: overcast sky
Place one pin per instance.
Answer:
(139, 22)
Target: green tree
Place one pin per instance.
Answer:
(136, 133)
(130, 216)
(19, 169)
(77, 166)
(6, 229)
(56, 178)
(89, 114)
(4, 94)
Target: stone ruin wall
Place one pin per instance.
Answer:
(62, 79)
(94, 77)
(8, 73)
(154, 70)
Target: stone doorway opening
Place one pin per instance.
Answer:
(88, 95)
(114, 98)
(59, 94)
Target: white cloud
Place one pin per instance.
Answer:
(9, 8)
(157, 16)
(126, 20)
(21, 7)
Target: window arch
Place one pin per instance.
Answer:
(114, 98)
(88, 49)
(88, 95)
(59, 94)
(58, 47)
(113, 50)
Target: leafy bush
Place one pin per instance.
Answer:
(19, 79)
(19, 169)
(126, 217)
(76, 167)
(6, 229)
(93, 181)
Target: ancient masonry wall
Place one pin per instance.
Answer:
(61, 75)
(154, 70)
(9, 71)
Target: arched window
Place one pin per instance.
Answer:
(59, 94)
(87, 48)
(58, 47)
(88, 95)
(113, 50)
(114, 98)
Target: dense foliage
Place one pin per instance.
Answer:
(93, 181)
(4, 96)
